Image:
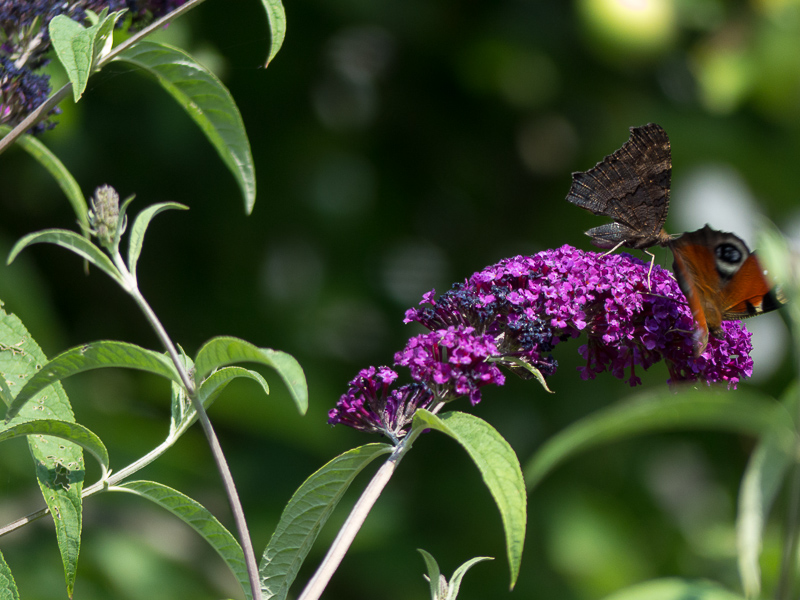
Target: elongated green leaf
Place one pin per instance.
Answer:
(211, 388)
(276, 16)
(8, 587)
(221, 351)
(65, 430)
(58, 463)
(674, 589)
(499, 467)
(59, 172)
(762, 480)
(71, 241)
(455, 581)
(434, 574)
(208, 103)
(96, 355)
(198, 518)
(304, 516)
(744, 411)
(140, 227)
(78, 47)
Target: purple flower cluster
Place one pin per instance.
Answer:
(370, 405)
(452, 361)
(513, 314)
(25, 43)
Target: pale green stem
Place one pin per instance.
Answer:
(205, 423)
(317, 584)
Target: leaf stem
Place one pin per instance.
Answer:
(317, 584)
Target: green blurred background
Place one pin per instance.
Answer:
(401, 147)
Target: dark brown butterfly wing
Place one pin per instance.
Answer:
(631, 187)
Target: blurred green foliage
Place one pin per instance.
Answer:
(399, 147)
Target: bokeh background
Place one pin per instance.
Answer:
(401, 147)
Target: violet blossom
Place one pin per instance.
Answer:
(515, 312)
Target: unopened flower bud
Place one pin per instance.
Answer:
(104, 215)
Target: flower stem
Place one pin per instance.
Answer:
(317, 584)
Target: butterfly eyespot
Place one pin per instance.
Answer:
(728, 253)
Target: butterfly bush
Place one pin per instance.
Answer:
(25, 46)
(513, 314)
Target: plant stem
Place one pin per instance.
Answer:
(99, 486)
(317, 584)
(208, 429)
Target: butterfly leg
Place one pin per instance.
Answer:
(612, 250)
(650, 270)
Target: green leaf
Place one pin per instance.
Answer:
(674, 589)
(5, 393)
(198, 518)
(74, 242)
(59, 172)
(434, 574)
(140, 227)
(96, 355)
(499, 467)
(276, 16)
(58, 463)
(79, 47)
(65, 430)
(180, 405)
(761, 483)
(122, 222)
(304, 516)
(521, 368)
(458, 575)
(208, 103)
(744, 411)
(210, 389)
(221, 351)
(8, 587)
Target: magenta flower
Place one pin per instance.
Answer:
(372, 406)
(515, 312)
(452, 362)
(531, 303)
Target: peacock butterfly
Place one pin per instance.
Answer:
(721, 279)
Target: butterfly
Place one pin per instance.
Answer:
(721, 279)
(632, 187)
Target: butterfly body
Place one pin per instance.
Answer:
(721, 279)
(631, 186)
